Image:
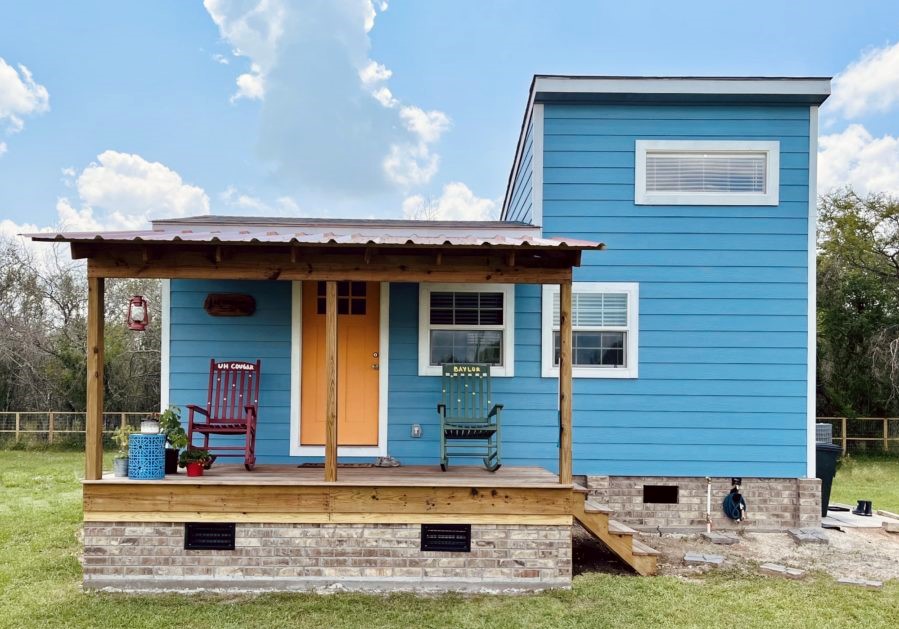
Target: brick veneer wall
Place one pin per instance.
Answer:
(772, 503)
(131, 556)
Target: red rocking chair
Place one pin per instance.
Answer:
(231, 409)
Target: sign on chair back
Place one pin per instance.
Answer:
(468, 415)
(232, 408)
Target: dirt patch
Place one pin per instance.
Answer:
(860, 553)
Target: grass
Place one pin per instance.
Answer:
(40, 576)
(868, 477)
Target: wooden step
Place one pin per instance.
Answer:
(639, 548)
(617, 528)
(618, 537)
(593, 506)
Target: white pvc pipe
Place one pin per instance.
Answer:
(708, 504)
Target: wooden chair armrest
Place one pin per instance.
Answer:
(441, 410)
(250, 410)
(198, 409)
(495, 410)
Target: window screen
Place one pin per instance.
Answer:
(466, 327)
(706, 172)
(599, 329)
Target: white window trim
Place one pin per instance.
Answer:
(296, 370)
(772, 175)
(549, 370)
(507, 370)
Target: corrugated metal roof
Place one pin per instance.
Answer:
(378, 233)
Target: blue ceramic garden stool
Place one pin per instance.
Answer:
(146, 456)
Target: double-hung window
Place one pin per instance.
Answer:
(466, 323)
(707, 172)
(604, 321)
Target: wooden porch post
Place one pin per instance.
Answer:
(565, 383)
(331, 374)
(93, 435)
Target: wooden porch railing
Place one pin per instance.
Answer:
(57, 423)
(880, 434)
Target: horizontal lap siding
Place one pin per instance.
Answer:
(723, 296)
(521, 198)
(529, 421)
(196, 337)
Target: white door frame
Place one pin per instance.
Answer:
(296, 362)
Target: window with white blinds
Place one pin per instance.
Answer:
(466, 323)
(706, 172)
(604, 330)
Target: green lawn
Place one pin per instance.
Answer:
(873, 478)
(39, 585)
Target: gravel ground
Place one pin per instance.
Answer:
(861, 553)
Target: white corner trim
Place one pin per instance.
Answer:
(811, 397)
(548, 370)
(772, 175)
(165, 367)
(507, 370)
(296, 356)
(537, 168)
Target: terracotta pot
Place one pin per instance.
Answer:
(194, 469)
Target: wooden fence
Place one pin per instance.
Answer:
(55, 424)
(884, 430)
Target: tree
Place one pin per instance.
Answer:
(858, 304)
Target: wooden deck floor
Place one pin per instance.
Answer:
(404, 476)
(286, 493)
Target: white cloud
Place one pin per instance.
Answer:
(870, 84)
(220, 58)
(856, 158)
(250, 85)
(456, 203)
(254, 29)
(3, 148)
(20, 96)
(427, 125)
(135, 190)
(326, 108)
(282, 206)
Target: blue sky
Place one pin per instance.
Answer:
(141, 109)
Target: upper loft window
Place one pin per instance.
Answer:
(707, 172)
(466, 323)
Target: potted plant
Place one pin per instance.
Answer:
(175, 437)
(120, 461)
(195, 460)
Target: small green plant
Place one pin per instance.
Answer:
(120, 438)
(195, 455)
(170, 426)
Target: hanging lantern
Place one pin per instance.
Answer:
(138, 314)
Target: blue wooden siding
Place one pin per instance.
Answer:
(196, 337)
(521, 197)
(723, 295)
(723, 314)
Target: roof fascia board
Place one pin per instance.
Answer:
(813, 86)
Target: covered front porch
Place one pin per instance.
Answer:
(326, 487)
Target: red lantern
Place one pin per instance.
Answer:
(138, 314)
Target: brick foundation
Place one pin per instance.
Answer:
(772, 503)
(151, 556)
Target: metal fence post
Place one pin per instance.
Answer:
(886, 435)
(18, 425)
(843, 433)
(50, 427)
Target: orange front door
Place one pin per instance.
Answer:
(358, 344)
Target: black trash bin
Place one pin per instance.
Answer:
(826, 468)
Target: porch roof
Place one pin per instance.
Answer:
(328, 249)
(327, 232)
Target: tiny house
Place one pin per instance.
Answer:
(643, 312)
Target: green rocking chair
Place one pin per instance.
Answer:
(467, 417)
